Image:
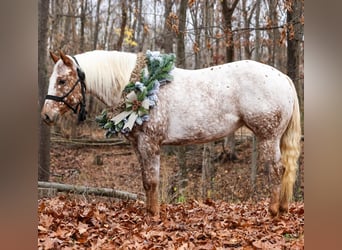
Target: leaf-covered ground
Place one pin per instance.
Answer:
(235, 218)
(74, 223)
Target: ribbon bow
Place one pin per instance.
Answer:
(135, 109)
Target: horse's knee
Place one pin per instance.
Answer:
(150, 184)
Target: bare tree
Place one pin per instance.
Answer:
(247, 17)
(294, 58)
(257, 45)
(105, 38)
(181, 62)
(194, 13)
(274, 34)
(44, 131)
(83, 23)
(227, 11)
(294, 41)
(123, 25)
(167, 34)
(97, 24)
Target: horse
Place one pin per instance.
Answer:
(197, 106)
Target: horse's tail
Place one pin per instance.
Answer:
(290, 150)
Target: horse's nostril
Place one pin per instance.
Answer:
(46, 118)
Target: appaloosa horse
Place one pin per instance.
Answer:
(197, 106)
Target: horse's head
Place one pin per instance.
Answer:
(66, 89)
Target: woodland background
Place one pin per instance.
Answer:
(201, 34)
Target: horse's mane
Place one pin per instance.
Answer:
(107, 73)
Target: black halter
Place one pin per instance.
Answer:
(82, 104)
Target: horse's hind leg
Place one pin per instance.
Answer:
(269, 154)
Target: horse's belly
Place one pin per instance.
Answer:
(199, 126)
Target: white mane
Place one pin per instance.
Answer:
(107, 73)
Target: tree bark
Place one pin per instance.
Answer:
(105, 39)
(123, 25)
(83, 21)
(208, 172)
(254, 163)
(257, 54)
(181, 62)
(294, 39)
(44, 130)
(181, 152)
(167, 34)
(275, 56)
(97, 24)
(227, 13)
(208, 24)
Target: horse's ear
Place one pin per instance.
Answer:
(54, 57)
(66, 60)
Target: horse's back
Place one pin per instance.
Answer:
(207, 104)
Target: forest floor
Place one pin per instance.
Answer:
(232, 215)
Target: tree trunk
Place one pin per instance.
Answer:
(123, 26)
(139, 36)
(197, 30)
(257, 54)
(208, 24)
(181, 62)
(227, 13)
(275, 56)
(66, 43)
(247, 52)
(294, 39)
(183, 175)
(83, 21)
(44, 130)
(167, 34)
(208, 171)
(254, 165)
(105, 39)
(181, 152)
(97, 24)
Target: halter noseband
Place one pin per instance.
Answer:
(82, 104)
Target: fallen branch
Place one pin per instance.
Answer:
(90, 142)
(108, 192)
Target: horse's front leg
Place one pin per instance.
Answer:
(148, 152)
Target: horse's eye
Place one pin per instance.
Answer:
(61, 81)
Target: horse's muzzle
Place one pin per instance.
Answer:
(48, 117)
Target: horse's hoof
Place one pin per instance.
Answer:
(284, 207)
(274, 209)
(153, 212)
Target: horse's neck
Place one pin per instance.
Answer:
(107, 73)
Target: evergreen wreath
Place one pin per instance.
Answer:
(140, 96)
